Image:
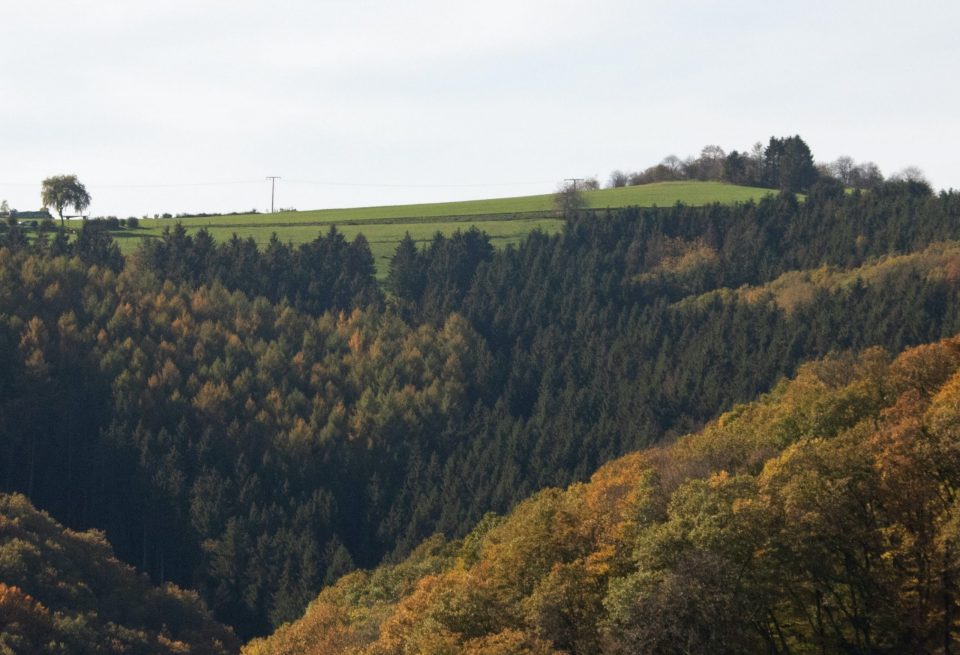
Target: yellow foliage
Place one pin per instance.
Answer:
(926, 367)
(508, 642)
(834, 488)
(213, 399)
(34, 340)
(943, 416)
(795, 288)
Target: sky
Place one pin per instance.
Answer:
(187, 105)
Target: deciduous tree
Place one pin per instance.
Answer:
(61, 191)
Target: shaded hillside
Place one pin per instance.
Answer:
(793, 290)
(822, 518)
(607, 338)
(235, 422)
(65, 592)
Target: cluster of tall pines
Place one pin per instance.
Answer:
(255, 423)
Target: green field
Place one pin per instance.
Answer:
(383, 236)
(506, 220)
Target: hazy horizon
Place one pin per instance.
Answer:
(187, 107)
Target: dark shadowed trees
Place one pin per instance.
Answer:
(407, 275)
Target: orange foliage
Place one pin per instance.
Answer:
(830, 497)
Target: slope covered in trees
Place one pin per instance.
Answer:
(822, 518)
(594, 355)
(219, 440)
(65, 592)
(250, 424)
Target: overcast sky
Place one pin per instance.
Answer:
(186, 105)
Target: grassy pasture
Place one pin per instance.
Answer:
(506, 220)
(383, 237)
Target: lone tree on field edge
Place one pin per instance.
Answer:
(568, 199)
(62, 191)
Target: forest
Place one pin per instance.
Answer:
(821, 518)
(255, 424)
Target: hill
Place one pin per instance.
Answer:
(506, 220)
(796, 289)
(820, 518)
(272, 421)
(65, 592)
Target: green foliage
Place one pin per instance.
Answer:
(506, 220)
(834, 538)
(407, 275)
(240, 427)
(254, 423)
(62, 191)
(326, 274)
(788, 165)
(569, 200)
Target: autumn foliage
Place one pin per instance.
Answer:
(65, 592)
(256, 423)
(822, 518)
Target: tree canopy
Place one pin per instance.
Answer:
(255, 423)
(822, 518)
(62, 191)
(63, 591)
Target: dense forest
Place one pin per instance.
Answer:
(256, 423)
(65, 592)
(822, 518)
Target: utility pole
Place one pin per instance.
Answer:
(273, 181)
(574, 180)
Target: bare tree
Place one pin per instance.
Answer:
(618, 179)
(842, 169)
(673, 163)
(710, 163)
(569, 199)
(866, 176)
(753, 172)
(637, 178)
(910, 174)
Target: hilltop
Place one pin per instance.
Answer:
(505, 220)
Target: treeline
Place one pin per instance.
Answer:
(93, 244)
(325, 274)
(821, 519)
(239, 431)
(784, 163)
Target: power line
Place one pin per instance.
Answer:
(169, 185)
(416, 186)
(141, 186)
(273, 181)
